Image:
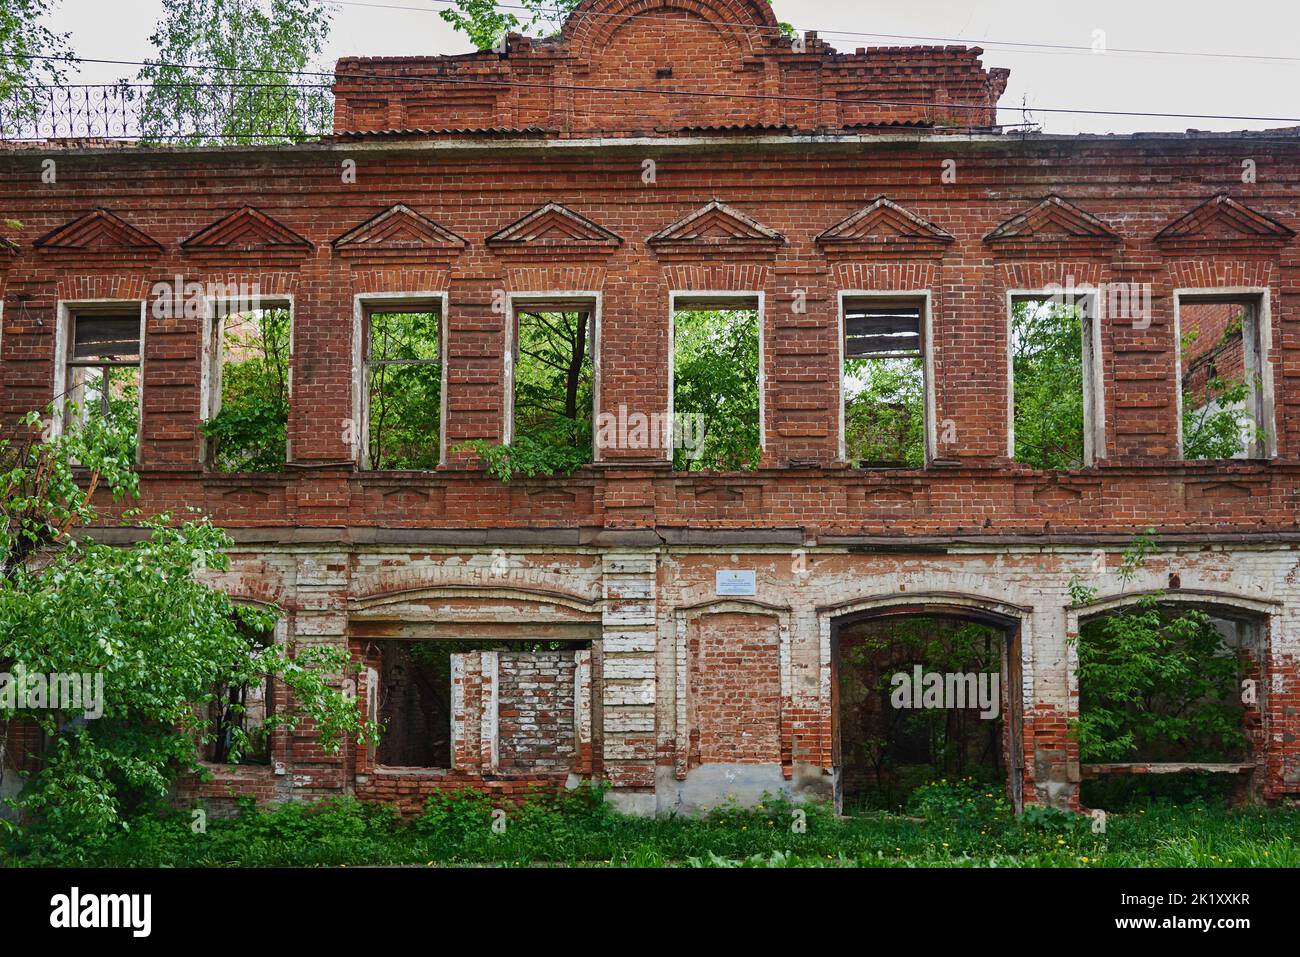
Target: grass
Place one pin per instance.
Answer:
(964, 826)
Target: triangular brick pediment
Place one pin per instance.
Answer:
(1220, 220)
(246, 230)
(98, 231)
(885, 224)
(716, 224)
(554, 226)
(1053, 221)
(398, 229)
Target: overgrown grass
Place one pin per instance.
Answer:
(964, 825)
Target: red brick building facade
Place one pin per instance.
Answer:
(589, 167)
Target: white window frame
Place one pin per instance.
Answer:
(65, 312)
(711, 295)
(927, 361)
(392, 301)
(1258, 349)
(586, 298)
(211, 359)
(1094, 379)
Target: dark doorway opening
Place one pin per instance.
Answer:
(923, 697)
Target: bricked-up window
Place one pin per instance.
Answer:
(237, 717)
(403, 389)
(415, 697)
(249, 383)
(717, 417)
(1223, 396)
(552, 380)
(884, 383)
(1056, 420)
(102, 379)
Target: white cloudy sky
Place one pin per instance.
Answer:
(119, 29)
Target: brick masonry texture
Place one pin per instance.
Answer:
(620, 559)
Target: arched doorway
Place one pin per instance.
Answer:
(924, 687)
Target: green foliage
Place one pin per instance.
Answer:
(715, 377)
(884, 412)
(963, 828)
(23, 38)
(137, 619)
(964, 800)
(405, 391)
(1047, 371)
(1157, 685)
(249, 433)
(242, 39)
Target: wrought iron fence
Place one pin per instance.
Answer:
(169, 113)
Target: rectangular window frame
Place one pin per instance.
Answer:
(1257, 349)
(363, 305)
(588, 299)
(930, 430)
(211, 359)
(66, 313)
(722, 300)
(1094, 381)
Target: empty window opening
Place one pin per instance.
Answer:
(1223, 413)
(1169, 704)
(717, 385)
(1055, 406)
(238, 714)
(919, 698)
(553, 382)
(103, 372)
(415, 701)
(403, 382)
(248, 429)
(884, 383)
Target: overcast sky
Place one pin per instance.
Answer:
(1113, 80)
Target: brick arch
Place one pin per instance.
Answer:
(1255, 609)
(577, 603)
(749, 25)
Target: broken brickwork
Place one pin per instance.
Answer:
(470, 196)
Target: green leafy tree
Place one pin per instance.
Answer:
(249, 432)
(484, 23)
(1155, 683)
(884, 412)
(163, 643)
(24, 43)
(1047, 365)
(241, 39)
(715, 377)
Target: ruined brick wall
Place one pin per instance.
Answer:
(623, 555)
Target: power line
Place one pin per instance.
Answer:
(1028, 46)
(708, 94)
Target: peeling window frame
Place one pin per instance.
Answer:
(583, 301)
(1257, 348)
(923, 297)
(363, 306)
(709, 300)
(66, 314)
(1093, 372)
(213, 360)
